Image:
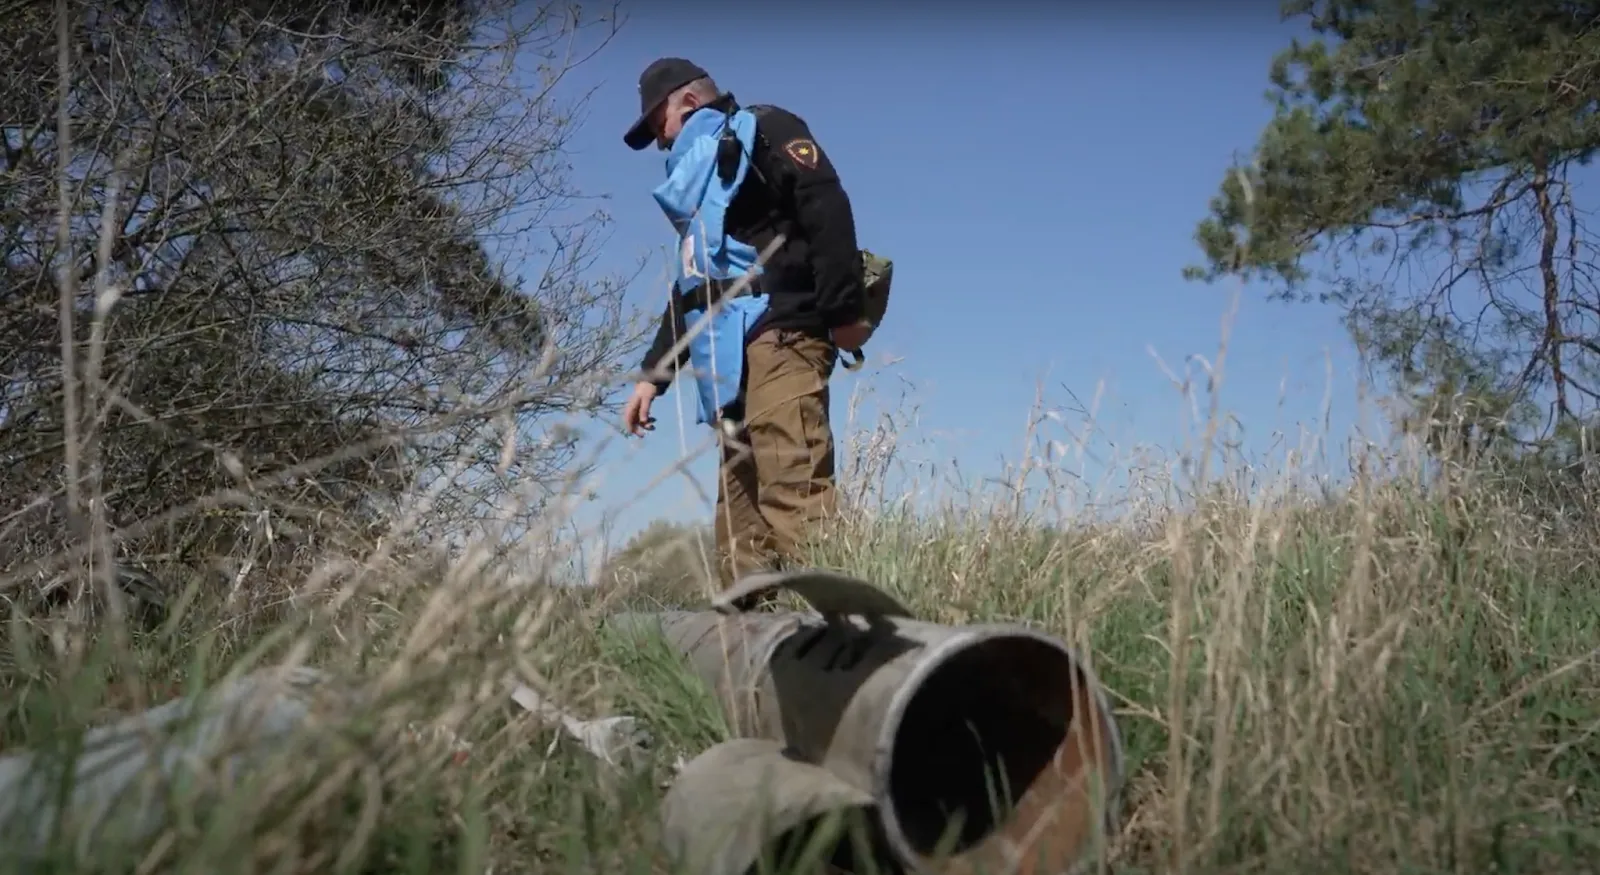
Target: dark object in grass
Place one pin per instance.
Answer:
(144, 596)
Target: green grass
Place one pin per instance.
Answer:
(1378, 682)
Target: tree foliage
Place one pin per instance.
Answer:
(291, 221)
(1430, 157)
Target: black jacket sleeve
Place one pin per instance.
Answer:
(657, 366)
(801, 172)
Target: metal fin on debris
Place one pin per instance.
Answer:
(827, 592)
(746, 798)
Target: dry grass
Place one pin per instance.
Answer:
(1389, 679)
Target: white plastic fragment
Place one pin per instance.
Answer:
(616, 741)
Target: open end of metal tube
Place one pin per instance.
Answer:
(987, 759)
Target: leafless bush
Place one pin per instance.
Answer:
(283, 254)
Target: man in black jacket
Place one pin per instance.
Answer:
(776, 479)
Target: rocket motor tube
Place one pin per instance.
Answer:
(986, 748)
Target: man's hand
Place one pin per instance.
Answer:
(850, 337)
(636, 418)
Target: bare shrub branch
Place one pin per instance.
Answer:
(302, 217)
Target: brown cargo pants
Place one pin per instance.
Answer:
(776, 477)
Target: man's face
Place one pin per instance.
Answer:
(667, 121)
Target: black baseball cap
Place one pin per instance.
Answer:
(656, 84)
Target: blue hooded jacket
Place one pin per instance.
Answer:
(695, 199)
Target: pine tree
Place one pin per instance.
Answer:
(1425, 159)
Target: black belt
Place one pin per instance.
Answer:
(713, 290)
(699, 297)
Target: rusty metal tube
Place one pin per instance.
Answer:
(985, 748)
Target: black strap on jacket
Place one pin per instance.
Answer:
(729, 149)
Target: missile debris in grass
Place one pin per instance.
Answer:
(978, 748)
(117, 780)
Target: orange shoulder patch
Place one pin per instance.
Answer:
(802, 152)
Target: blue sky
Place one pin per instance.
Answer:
(1036, 176)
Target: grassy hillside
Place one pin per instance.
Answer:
(1385, 680)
